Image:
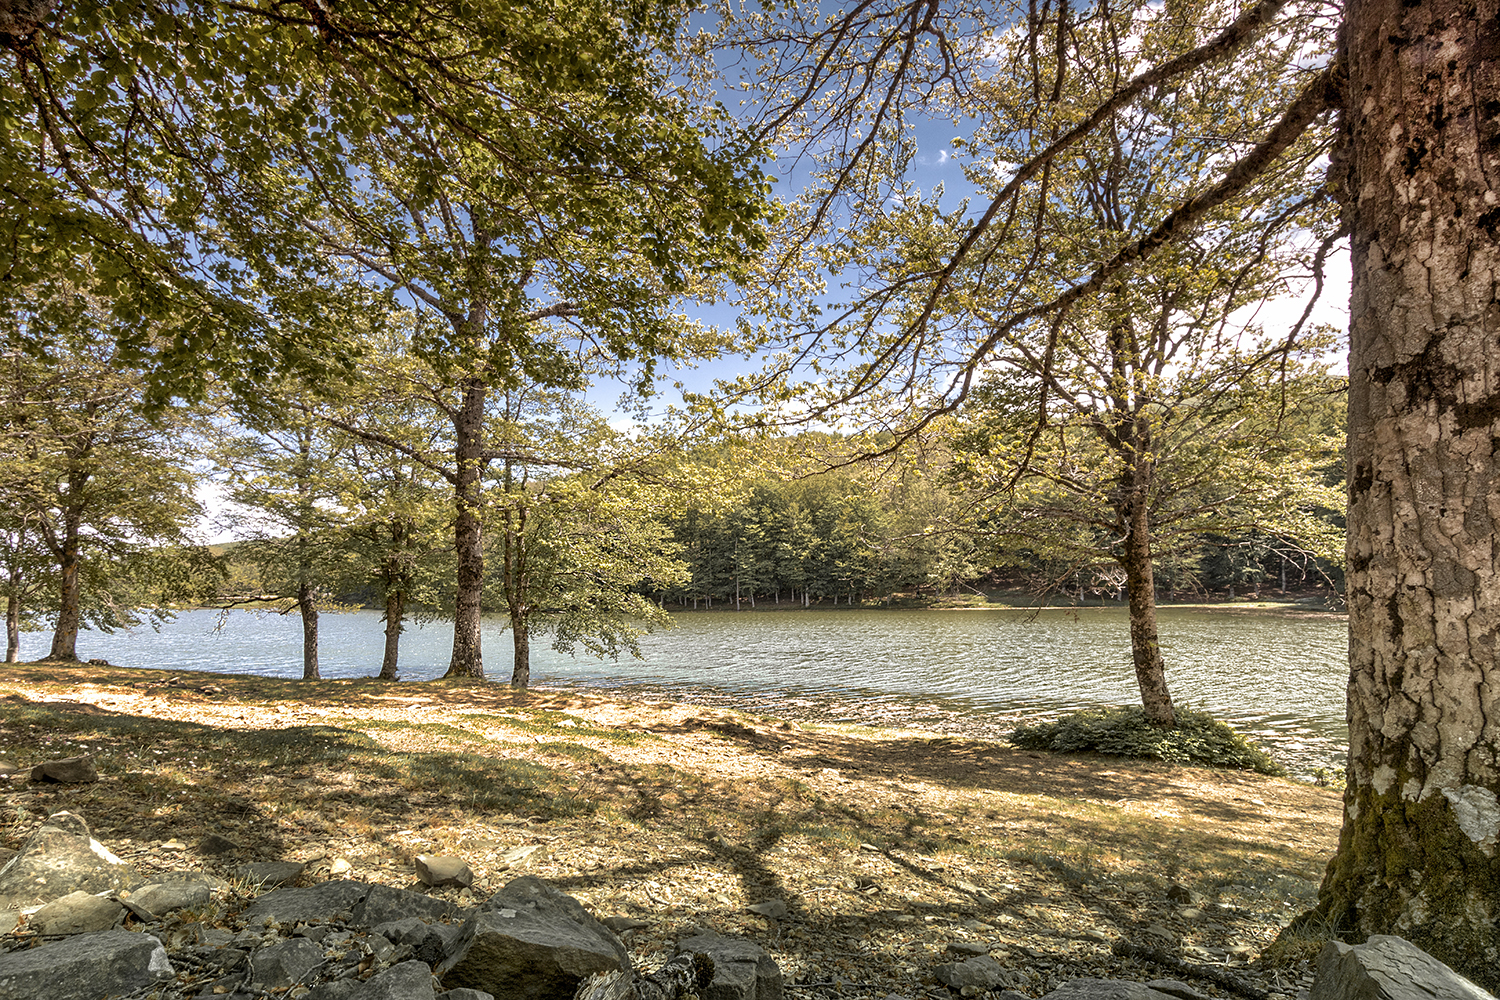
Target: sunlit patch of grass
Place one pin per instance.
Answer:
(543, 722)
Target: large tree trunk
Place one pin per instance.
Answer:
(468, 539)
(1417, 856)
(12, 629)
(1140, 588)
(307, 604)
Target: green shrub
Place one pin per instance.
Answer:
(1198, 739)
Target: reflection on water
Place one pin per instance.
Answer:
(1280, 675)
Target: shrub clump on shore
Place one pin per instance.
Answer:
(1123, 731)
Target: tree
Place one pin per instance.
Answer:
(1131, 476)
(1417, 855)
(96, 493)
(579, 533)
(284, 479)
(1415, 86)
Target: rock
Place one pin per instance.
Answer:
(270, 874)
(773, 908)
(383, 904)
(464, 994)
(1179, 893)
(61, 856)
(428, 942)
(531, 942)
(340, 866)
(315, 903)
(967, 948)
(158, 898)
(621, 925)
(8, 768)
(86, 967)
(284, 963)
(1104, 989)
(338, 989)
(741, 970)
(213, 845)
(1387, 968)
(981, 971)
(69, 770)
(1173, 988)
(443, 869)
(406, 981)
(77, 913)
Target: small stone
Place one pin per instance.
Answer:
(970, 948)
(982, 972)
(772, 908)
(443, 869)
(1162, 934)
(213, 844)
(622, 925)
(159, 898)
(340, 866)
(174, 845)
(1179, 893)
(69, 770)
(407, 981)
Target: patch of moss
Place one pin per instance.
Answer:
(1124, 732)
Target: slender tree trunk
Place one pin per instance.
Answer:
(520, 632)
(307, 604)
(13, 629)
(1145, 646)
(1417, 855)
(69, 597)
(468, 538)
(395, 615)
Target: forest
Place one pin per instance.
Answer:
(356, 276)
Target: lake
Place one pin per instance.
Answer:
(1276, 673)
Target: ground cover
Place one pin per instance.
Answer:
(885, 846)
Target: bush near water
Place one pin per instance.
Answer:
(1124, 731)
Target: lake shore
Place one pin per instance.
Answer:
(885, 846)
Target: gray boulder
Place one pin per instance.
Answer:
(981, 971)
(312, 904)
(406, 981)
(1387, 968)
(338, 989)
(86, 967)
(430, 943)
(463, 993)
(742, 971)
(1104, 989)
(531, 942)
(61, 856)
(284, 963)
(70, 770)
(383, 904)
(77, 913)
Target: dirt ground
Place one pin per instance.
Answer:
(885, 847)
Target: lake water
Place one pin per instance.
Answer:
(1277, 674)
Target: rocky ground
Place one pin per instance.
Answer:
(861, 860)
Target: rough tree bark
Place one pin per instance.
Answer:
(395, 612)
(1417, 855)
(70, 584)
(12, 629)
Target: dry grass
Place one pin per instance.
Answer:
(884, 844)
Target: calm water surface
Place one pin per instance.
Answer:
(1276, 673)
